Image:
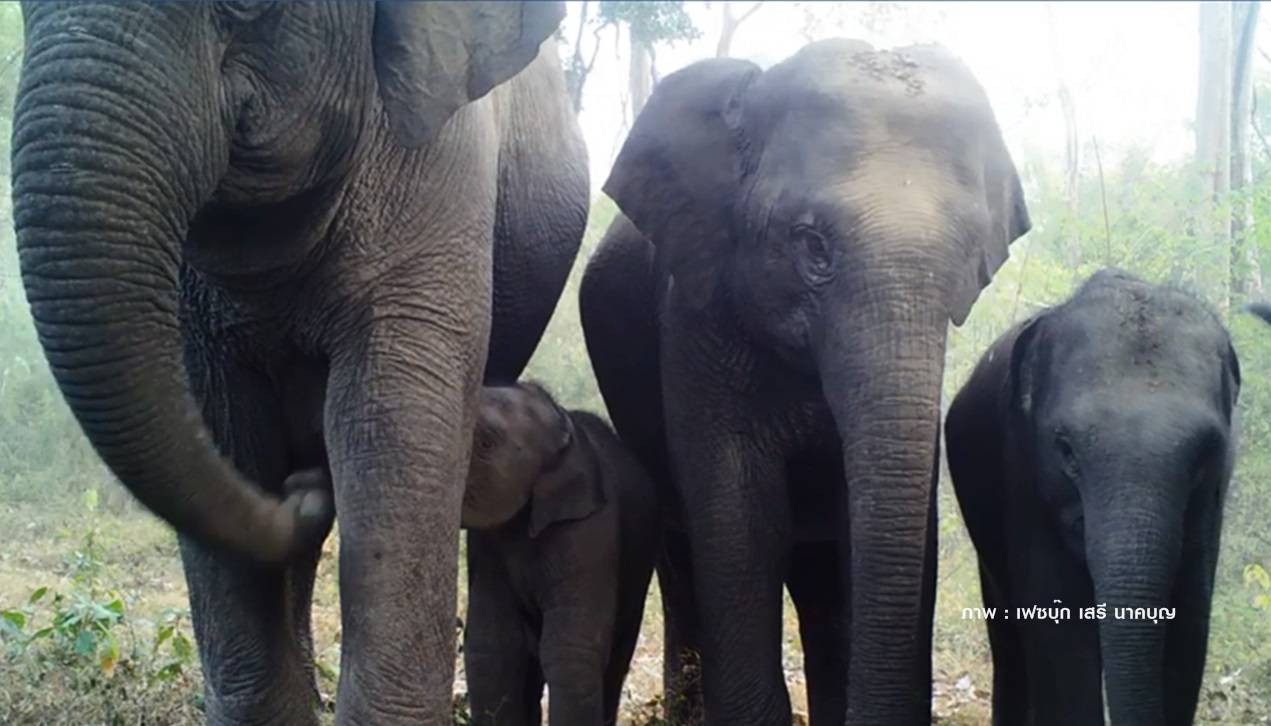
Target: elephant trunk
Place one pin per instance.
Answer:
(881, 367)
(108, 171)
(1133, 553)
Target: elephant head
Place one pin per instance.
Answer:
(846, 204)
(528, 452)
(134, 120)
(1122, 401)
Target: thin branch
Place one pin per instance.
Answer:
(595, 51)
(749, 12)
(1103, 195)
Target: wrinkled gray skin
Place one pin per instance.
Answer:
(1091, 451)
(775, 310)
(264, 237)
(562, 536)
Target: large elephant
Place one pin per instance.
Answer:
(258, 237)
(1091, 451)
(768, 324)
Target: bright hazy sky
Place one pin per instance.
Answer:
(1131, 66)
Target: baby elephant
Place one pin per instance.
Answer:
(562, 536)
(1090, 452)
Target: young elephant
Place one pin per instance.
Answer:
(1090, 452)
(562, 537)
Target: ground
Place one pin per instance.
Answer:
(103, 556)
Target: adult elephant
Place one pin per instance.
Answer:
(292, 232)
(768, 324)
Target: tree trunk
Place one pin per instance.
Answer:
(1213, 149)
(639, 78)
(1246, 276)
(728, 29)
(1072, 144)
(576, 70)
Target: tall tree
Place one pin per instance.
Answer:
(1072, 143)
(728, 28)
(646, 23)
(1213, 146)
(1246, 275)
(1223, 128)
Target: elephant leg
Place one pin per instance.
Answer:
(573, 661)
(636, 570)
(682, 637)
(1065, 675)
(813, 582)
(497, 656)
(1010, 680)
(736, 500)
(399, 424)
(251, 622)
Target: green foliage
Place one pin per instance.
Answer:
(79, 649)
(651, 22)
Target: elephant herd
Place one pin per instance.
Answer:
(288, 261)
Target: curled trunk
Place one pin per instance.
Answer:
(881, 370)
(107, 175)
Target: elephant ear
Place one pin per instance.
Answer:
(679, 172)
(1004, 221)
(996, 215)
(570, 491)
(1021, 381)
(431, 58)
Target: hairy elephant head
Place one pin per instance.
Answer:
(847, 203)
(1122, 401)
(528, 452)
(133, 121)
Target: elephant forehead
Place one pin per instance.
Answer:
(903, 192)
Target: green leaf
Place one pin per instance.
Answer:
(36, 595)
(85, 643)
(164, 632)
(1262, 601)
(42, 633)
(167, 671)
(16, 617)
(181, 647)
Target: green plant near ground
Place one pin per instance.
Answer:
(79, 648)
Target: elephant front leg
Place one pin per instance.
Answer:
(819, 598)
(251, 623)
(739, 525)
(505, 686)
(682, 636)
(399, 421)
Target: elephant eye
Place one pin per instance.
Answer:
(814, 248)
(1067, 454)
(241, 11)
